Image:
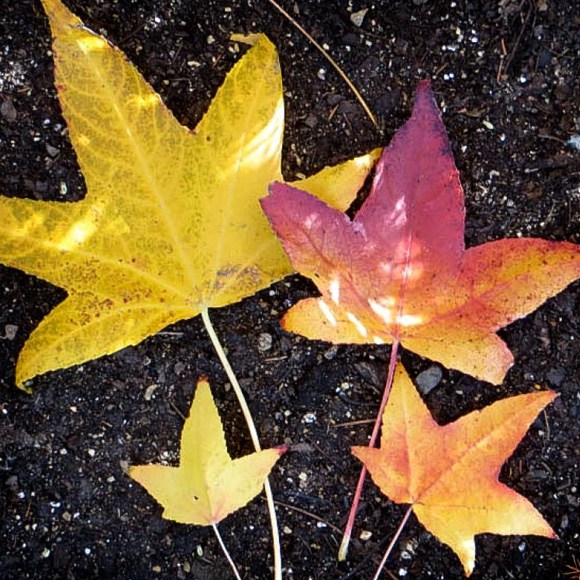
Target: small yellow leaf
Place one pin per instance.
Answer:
(208, 485)
(171, 224)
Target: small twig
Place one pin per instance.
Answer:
(547, 425)
(226, 553)
(393, 542)
(254, 436)
(324, 53)
(510, 58)
(574, 570)
(499, 75)
(354, 423)
(343, 550)
(132, 33)
(176, 409)
(309, 514)
(543, 136)
(276, 358)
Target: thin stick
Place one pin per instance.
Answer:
(353, 423)
(393, 542)
(255, 440)
(309, 514)
(343, 550)
(350, 84)
(225, 551)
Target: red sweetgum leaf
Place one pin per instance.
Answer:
(399, 271)
(449, 474)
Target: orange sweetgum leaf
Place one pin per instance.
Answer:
(208, 485)
(171, 224)
(399, 271)
(450, 473)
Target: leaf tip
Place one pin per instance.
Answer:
(280, 449)
(545, 396)
(59, 15)
(202, 380)
(23, 379)
(424, 94)
(425, 106)
(276, 189)
(252, 39)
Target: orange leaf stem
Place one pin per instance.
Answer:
(393, 542)
(343, 550)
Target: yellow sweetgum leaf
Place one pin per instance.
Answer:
(208, 485)
(171, 223)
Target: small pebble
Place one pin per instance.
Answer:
(264, 342)
(429, 379)
(149, 391)
(556, 376)
(10, 331)
(574, 142)
(331, 352)
(8, 111)
(52, 151)
(357, 17)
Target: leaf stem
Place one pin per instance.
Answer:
(226, 553)
(343, 550)
(253, 434)
(334, 64)
(393, 542)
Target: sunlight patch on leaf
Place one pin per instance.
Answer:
(143, 101)
(327, 312)
(360, 327)
(91, 43)
(334, 290)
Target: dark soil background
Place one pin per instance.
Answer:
(506, 75)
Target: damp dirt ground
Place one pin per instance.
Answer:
(506, 76)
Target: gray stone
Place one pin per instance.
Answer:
(429, 379)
